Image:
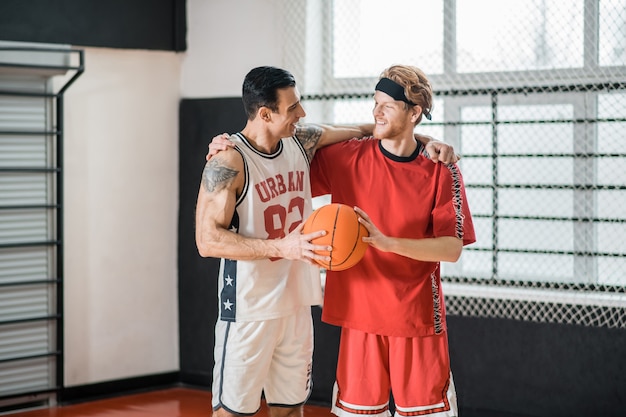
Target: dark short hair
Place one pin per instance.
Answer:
(260, 88)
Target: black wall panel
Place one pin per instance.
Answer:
(537, 369)
(137, 24)
(502, 368)
(200, 120)
(326, 348)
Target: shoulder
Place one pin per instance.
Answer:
(308, 134)
(368, 142)
(447, 175)
(231, 157)
(350, 149)
(223, 170)
(453, 170)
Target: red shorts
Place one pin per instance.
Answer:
(416, 370)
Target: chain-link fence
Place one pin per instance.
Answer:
(532, 93)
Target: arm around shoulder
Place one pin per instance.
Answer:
(340, 133)
(315, 136)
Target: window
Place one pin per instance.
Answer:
(519, 35)
(533, 99)
(366, 36)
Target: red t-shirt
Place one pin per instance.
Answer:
(406, 197)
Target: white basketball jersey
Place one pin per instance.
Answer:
(276, 198)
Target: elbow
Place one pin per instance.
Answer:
(454, 256)
(206, 248)
(454, 252)
(204, 251)
(211, 242)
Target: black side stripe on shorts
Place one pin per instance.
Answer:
(228, 297)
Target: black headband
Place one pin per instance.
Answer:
(396, 91)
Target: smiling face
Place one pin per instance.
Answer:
(290, 111)
(392, 119)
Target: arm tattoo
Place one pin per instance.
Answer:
(309, 136)
(216, 175)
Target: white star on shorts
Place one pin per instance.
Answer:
(228, 305)
(229, 281)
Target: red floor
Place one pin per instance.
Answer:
(173, 402)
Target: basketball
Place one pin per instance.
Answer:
(343, 232)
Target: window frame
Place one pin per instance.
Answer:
(596, 79)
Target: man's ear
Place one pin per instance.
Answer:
(417, 111)
(265, 114)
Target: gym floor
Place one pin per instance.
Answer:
(173, 402)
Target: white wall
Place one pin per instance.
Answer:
(121, 204)
(121, 185)
(226, 39)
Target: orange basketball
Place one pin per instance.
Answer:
(343, 232)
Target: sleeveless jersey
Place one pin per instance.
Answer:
(276, 198)
(406, 197)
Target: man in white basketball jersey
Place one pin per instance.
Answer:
(252, 202)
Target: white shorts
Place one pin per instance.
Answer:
(272, 356)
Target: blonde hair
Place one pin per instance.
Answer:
(417, 88)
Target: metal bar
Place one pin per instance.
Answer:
(31, 394)
(547, 252)
(36, 49)
(33, 66)
(495, 185)
(548, 155)
(60, 331)
(30, 244)
(25, 358)
(28, 132)
(26, 94)
(79, 70)
(31, 207)
(30, 319)
(32, 169)
(449, 37)
(558, 88)
(28, 283)
(532, 121)
(549, 186)
(554, 218)
(612, 304)
(591, 41)
(579, 286)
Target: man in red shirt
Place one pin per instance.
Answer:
(390, 305)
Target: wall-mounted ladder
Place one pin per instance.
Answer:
(31, 220)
